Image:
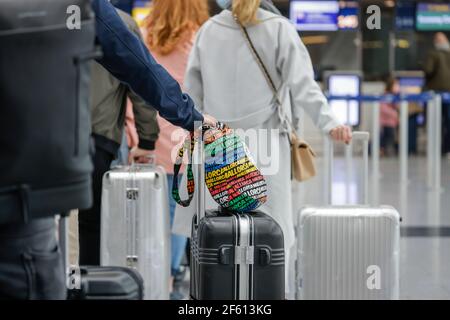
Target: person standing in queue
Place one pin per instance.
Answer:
(437, 73)
(389, 119)
(38, 183)
(236, 91)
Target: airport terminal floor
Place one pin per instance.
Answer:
(424, 260)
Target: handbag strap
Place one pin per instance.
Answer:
(259, 61)
(266, 73)
(188, 146)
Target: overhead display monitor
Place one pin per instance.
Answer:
(348, 18)
(314, 15)
(405, 15)
(411, 85)
(433, 17)
(348, 112)
(324, 15)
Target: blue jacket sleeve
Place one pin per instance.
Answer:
(128, 59)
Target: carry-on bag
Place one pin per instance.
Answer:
(234, 256)
(348, 252)
(135, 225)
(232, 177)
(98, 283)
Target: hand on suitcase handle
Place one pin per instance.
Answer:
(342, 133)
(138, 155)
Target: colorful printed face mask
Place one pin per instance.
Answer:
(231, 175)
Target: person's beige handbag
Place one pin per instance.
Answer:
(302, 155)
(302, 159)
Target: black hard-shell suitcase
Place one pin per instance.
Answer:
(234, 256)
(99, 283)
(108, 283)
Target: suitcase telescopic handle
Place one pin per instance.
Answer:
(132, 196)
(200, 177)
(63, 237)
(358, 136)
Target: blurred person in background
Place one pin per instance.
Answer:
(389, 119)
(437, 71)
(108, 114)
(169, 32)
(225, 79)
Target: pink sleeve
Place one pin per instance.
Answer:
(388, 111)
(388, 115)
(130, 127)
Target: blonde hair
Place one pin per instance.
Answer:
(172, 21)
(245, 11)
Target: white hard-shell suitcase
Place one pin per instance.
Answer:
(135, 225)
(348, 252)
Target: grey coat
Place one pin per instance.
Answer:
(226, 82)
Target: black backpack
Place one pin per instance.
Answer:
(45, 148)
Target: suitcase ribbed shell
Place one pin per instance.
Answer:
(151, 240)
(348, 252)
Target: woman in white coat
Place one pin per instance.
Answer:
(225, 80)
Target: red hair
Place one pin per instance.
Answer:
(172, 21)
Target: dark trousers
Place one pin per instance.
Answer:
(89, 220)
(387, 141)
(445, 128)
(412, 134)
(31, 265)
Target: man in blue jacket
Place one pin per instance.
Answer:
(30, 262)
(129, 60)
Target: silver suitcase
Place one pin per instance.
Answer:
(348, 252)
(135, 226)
